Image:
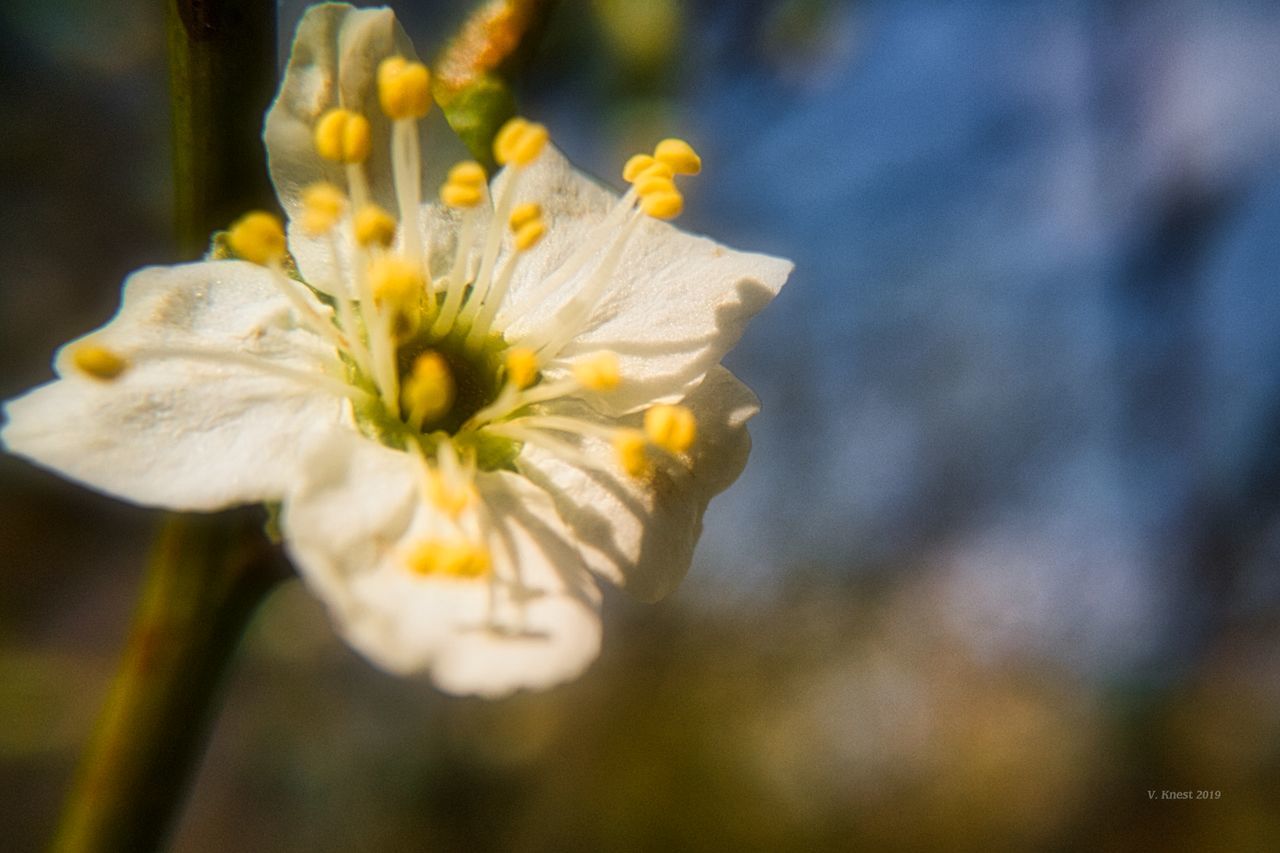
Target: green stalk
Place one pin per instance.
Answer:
(207, 576)
(222, 74)
(208, 573)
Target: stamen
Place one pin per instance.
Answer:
(345, 296)
(404, 88)
(519, 142)
(522, 367)
(629, 445)
(630, 448)
(319, 381)
(396, 288)
(257, 237)
(404, 91)
(599, 372)
(429, 390)
(663, 205)
(528, 228)
(374, 226)
(574, 264)
(98, 362)
(322, 207)
(679, 155)
(343, 136)
(635, 165)
(673, 428)
(465, 189)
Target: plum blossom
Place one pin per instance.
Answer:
(469, 408)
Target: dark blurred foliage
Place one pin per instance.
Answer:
(1005, 558)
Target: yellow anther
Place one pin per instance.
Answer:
(663, 205)
(257, 237)
(398, 286)
(522, 367)
(373, 225)
(342, 136)
(98, 362)
(629, 445)
(465, 185)
(529, 234)
(461, 195)
(524, 213)
(656, 169)
(448, 558)
(672, 428)
(526, 223)
(451, 497)
(635, 165)
(428, 389)
(599, 372)
(322, 206)
(404, 88)
(679, 155)
(394, 280)
(653, 184)
(468, 173)
(519, 142)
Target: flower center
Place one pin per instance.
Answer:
(468, 377)
(444, 381)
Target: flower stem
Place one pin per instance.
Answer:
(206, 578)
(222, 74)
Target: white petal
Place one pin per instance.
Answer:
(334, 62)
(641, 534)
(347, 528)
(676, 304)
(177, 433)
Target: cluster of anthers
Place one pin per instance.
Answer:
(425, 363)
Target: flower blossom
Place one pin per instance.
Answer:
(469, 409)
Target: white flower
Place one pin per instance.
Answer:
(468, 411)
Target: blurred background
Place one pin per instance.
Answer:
(1005, 556)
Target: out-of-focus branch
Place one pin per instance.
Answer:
(474, 73)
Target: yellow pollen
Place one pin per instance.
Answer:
(404, 88)
(652, 184)
(655, 169)
(322, 206)
(468, 173)
(397, 285)
(636, 164)
(528, 235)
(629, 446)
(257, 237)
(98, 362)
(461, 195)
(429, 389)
(672, 428)
(522, 367)
(599, 372)
(527, 212)
(456, 558)
(526, 223)
(663, 205)
(373, 225)
(679, 155)
(519, 142)
(343, 136)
